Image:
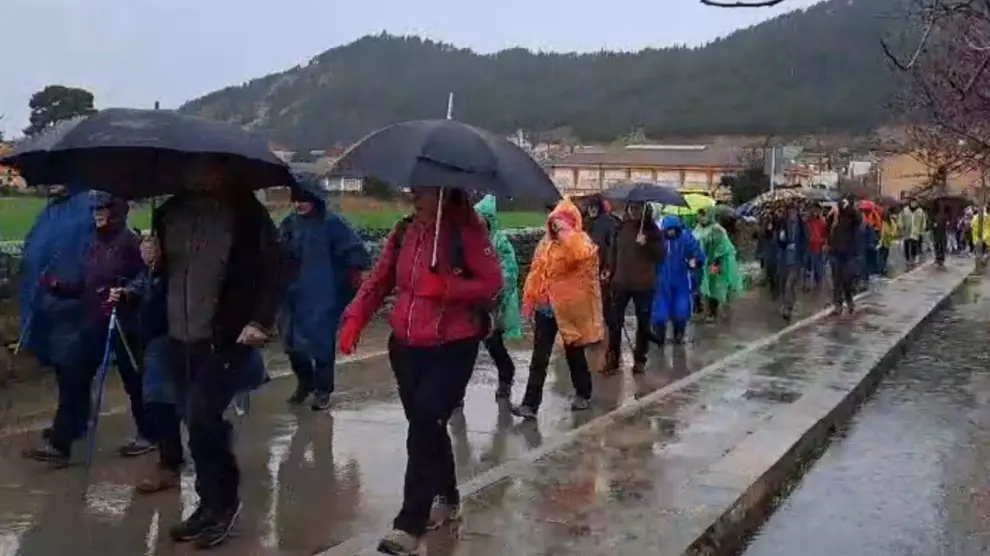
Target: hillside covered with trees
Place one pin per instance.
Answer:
(812, 71)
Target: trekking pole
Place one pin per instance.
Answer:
(101, 381)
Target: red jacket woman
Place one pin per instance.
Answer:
(446, 277)
(437, 305)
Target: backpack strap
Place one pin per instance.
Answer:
(399, 233)
(457, 263)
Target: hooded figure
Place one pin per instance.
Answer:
(508, 319)
(601, 226)
(791, 240)
(440, 316)
(55, 248)
(672, 301)
(722, 277)
(561, 295)
(327, 259)
(111, 259)
(846, 246)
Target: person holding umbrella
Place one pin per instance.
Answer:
(440, 316)
(634, 254)
(328, 259)
(218, 250)
(112, 258)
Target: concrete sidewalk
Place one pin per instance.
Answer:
(694, 466)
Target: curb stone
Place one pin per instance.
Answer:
(729, 532)
(364, 544)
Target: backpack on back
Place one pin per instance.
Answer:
(457, 265)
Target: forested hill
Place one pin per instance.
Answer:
(817, 70)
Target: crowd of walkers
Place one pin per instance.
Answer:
(215, 279)
(799, 245)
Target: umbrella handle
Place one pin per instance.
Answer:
(436, 230)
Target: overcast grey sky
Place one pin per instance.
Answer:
(133, 52)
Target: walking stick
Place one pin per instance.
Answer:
(101, 381)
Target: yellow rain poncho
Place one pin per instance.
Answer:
(564, 276)
(977, 229)
(689, 214)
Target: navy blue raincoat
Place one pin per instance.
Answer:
(56, 246)
(675, 278)
(325, 251)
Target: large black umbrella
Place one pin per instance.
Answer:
(447, 153)
(646, 192)
(142, 153)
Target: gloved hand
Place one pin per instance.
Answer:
(48, 282)
(431, 285)
(350, 333)
(356, 277)
(527, 311)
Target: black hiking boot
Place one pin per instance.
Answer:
(504, 392)
(321, 401)
(191, 527)
(217, 530)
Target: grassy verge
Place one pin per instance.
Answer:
(17, 215)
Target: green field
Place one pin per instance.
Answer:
(17, 215)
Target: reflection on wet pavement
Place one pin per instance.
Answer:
(652, 480)
(911, 474)
(312, 481)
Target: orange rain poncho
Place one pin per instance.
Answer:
(564, 274)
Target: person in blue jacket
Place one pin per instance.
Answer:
(327, 259)
(675, 280)
(55, 247)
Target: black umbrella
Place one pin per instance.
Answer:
(450, 154)
(646, 192)
(142, 153)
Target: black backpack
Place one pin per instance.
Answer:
(457, 265)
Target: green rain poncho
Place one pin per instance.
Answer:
(508, 317)
(719, 251)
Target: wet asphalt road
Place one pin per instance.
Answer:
(911, 475)
(312, 481)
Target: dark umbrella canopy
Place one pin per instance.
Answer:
(447, 153)
(646, 192)
(141, 153)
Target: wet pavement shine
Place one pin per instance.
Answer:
(313, 482)
(911, 474)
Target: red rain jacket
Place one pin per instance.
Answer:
(419, 317)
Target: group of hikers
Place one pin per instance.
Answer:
(195, 299)
(214, 279)
(797, 245)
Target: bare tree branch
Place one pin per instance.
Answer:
(742, 3)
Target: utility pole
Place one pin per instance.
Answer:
(773, 165)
